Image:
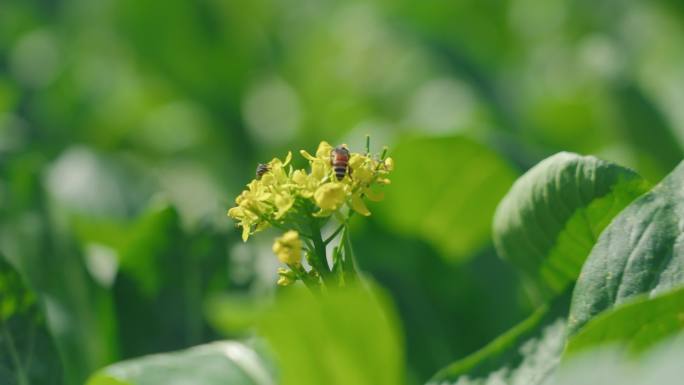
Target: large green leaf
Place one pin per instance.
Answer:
(638, 325)
(550, 220)
(27, 353)
(445, 190)
(218, 363)
(343, 336)
(526, 354)
(641, 252)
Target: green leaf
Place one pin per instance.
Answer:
(526, 354)
(638, 325)
(445, 190)
(549, 221)
(639, 253)
(345, 336)
(218, 363)
(27, 353)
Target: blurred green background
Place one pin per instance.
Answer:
(128, 127)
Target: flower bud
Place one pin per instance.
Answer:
(288, 248)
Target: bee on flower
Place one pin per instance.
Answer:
(301, 201)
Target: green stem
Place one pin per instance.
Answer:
(348, 263)
(312, 284)
(320, 253)
(334, 234)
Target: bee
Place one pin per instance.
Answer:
(261, 170)
(339, 159)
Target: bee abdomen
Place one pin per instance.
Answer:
(340, 171)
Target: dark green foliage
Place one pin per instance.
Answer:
(27, 352)
(527, 353)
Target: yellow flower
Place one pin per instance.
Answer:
(306, 183)
(330, 196)
(283, 202)
(363, 169)
(320, 164)
(288, 248)
(246, 219)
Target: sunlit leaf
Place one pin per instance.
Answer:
(343, 337)
(549, 221)
(638, 325)
(639, 253)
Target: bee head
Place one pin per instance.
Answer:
(342, 148)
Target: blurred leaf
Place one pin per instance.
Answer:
(648, 132)
(446, 309)
(218, 363)
(638, 325)
(640, 252)
(235, 313)
(549, 221)
(607, 365)
(527, 354)
(445, 190)
(574, 120)
(79, 312)
(164, 275)
(27, 353)
(140, 245)
(346, 336)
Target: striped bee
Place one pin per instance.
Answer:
(339, 159)
(261, 170)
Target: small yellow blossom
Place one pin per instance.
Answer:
(330, 196)
(283, 202)
(363, 169)
(288, 248)
(320, 164)
(306, 183)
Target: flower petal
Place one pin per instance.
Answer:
(359, 205)
(307, 155)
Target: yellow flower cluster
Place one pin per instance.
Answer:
(281, 196)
